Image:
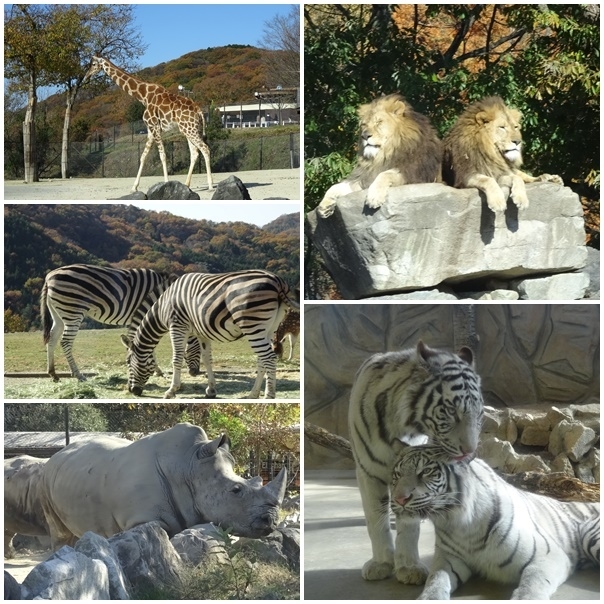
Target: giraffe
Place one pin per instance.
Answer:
(163, 109)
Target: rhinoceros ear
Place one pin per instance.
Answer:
(209, 449)
(256, 481)
(276, 487)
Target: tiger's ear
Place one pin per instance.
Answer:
(425, 352)
(398, 446)
(466, 354)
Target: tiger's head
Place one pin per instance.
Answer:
(422, 481)
(452, 415)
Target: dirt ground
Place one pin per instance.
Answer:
(20, 566)
(261, 184)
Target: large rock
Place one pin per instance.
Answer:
(430, 234)
(198, 547)
(231, 188)
(147, 557)
(67, 575)
(98, 548)
(12, 589)
(172, 189)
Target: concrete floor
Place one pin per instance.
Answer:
(336, 546)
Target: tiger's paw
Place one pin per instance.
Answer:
(377, 571)
(412, 575)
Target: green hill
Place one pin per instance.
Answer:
(39, 238)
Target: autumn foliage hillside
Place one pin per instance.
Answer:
(39, 238)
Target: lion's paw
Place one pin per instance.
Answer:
(496, 201)
(376, 197)
(326, 208)
(412, 575)
(552, 178)
(377, 571)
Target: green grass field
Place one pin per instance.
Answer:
(101, 356)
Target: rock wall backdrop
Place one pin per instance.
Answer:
(529, 356)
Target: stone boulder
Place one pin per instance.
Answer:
(67, 575)
(198, 547)
(148, 559)
(172, 189)
(232, 188)
(429, 235)
(281, 546)
(12, 589)
(98, 548)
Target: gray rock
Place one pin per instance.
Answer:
(195, 547)
(147, 557)
(231, 188)
(281, 546)
(291, 546)
(427, 234)
(172, 189)
(12, 589)
(535, 437)
(67, 575)
(593, 271)
(136, 195)
(425, 294)
(497, 294)
(565, 286)
(561, 463)
(572, 438)
(98, 548)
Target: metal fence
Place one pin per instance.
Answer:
(115, 154)
(42, 429)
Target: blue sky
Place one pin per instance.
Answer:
(225, 211)
(172, 30)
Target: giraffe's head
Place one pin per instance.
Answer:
(96, 65)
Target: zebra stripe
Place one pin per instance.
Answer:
(215, 308)
(486, 526)
(107, 295)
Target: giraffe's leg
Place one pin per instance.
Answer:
(194, 153)
(143, 158)
(162, 156)
(196, 145)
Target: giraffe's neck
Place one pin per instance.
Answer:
(125, 81)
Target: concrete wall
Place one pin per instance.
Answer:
(528, 355)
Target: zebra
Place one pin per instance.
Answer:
(215, 308)
(108, 295)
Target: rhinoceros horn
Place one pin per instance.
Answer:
(209, 449)
(276, 487)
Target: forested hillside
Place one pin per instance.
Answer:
(39, 238)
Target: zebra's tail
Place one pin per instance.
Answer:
(291, 297)
(45, 313)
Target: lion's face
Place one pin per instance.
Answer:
(503, 131)
(381, 124)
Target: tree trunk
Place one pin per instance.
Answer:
(71, 94)
(29, 132)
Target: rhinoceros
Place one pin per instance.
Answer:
(23, 512)
(177, 477)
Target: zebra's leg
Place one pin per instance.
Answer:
(267, 365)
(376, 505)
(69, 333)
(179, 342)
(56, 333)
(206, 355)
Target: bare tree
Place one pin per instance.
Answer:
(282, 35)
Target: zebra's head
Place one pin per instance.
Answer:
(422, 482)
(140, 367)
(452, 413)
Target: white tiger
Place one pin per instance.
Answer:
(487, 527)
(407, 395)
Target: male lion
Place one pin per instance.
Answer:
(483, 150)
(397, 146)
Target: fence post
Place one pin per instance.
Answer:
(66, 414)
(261, 139)
(291, 150)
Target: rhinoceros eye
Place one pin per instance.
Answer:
(236, 490)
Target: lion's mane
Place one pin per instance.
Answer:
(470, 147)
(409, 144)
